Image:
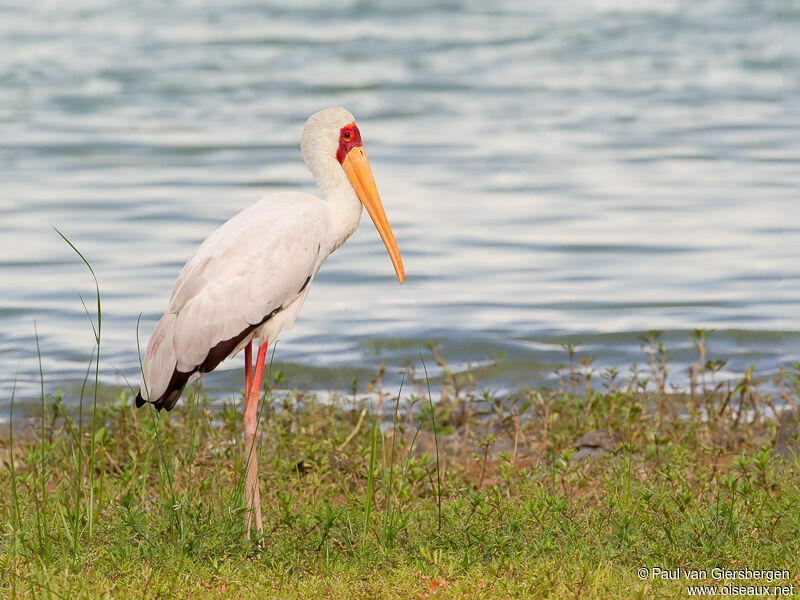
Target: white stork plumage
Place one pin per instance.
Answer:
(249, 278)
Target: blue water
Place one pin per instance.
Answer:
(559, 172)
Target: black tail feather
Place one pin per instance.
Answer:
(215, 355)
(171, 395)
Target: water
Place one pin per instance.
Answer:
(575, 172)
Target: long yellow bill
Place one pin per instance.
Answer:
(356, 167)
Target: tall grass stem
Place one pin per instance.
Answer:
(435, 441)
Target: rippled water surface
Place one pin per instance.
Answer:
(575, 171)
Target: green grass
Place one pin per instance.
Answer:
(379, 516)
(479, 495)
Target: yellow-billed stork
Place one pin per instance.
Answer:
(249, 278)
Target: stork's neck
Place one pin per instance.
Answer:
(344, 207)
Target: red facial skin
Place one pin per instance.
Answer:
(349, 138)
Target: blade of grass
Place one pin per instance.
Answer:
(15, 522)
(41, 518)
(96, 285)
(370, 477)
(395, 416)
(76, 463)
(435, 441)
(81, 463)
(90, 509)
(192, 442)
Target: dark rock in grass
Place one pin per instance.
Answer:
(595, 444)
(787, 442)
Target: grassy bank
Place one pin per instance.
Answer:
(477, 496)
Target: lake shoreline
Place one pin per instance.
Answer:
(536, 490)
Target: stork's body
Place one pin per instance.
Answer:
(249, 278)
(261, 260)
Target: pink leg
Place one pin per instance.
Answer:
(251, 491)
(248, 367)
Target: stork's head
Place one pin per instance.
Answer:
(331, 146)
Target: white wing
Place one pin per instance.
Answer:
(253, 266)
